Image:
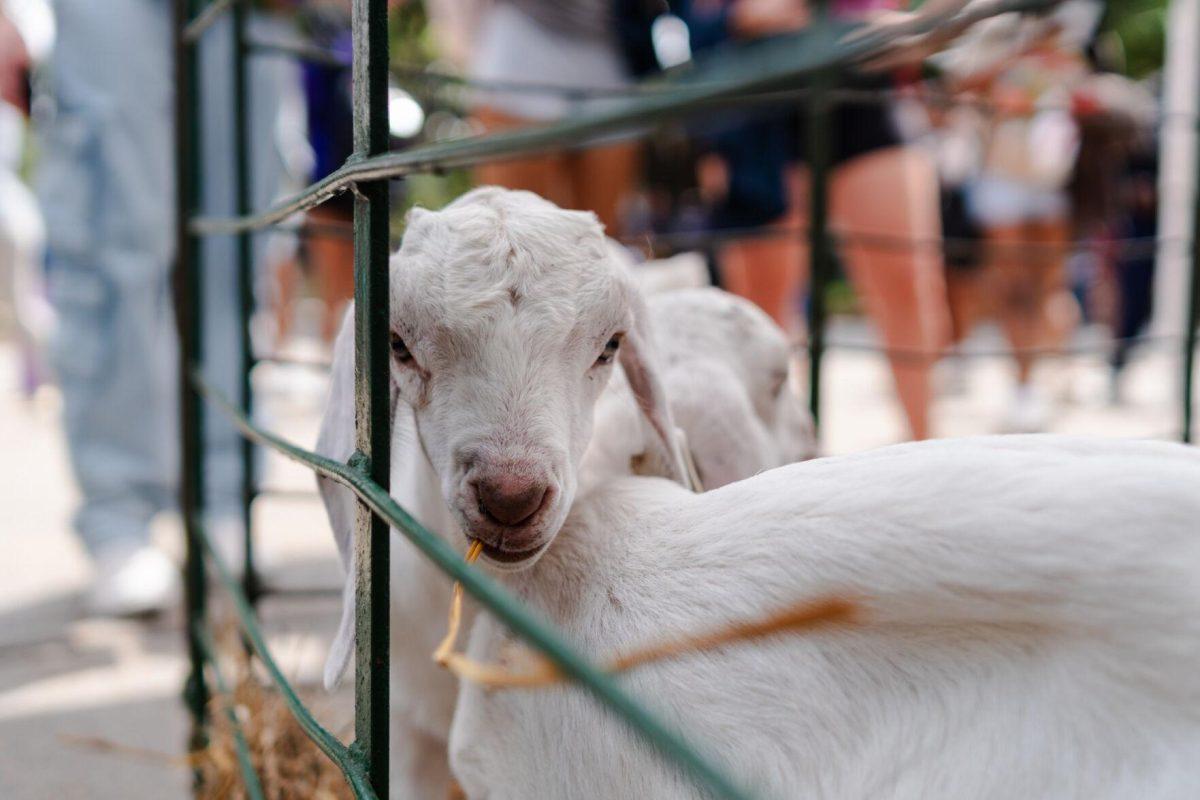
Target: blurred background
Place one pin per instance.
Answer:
(1011, 216)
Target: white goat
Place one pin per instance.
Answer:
(733, 403)
(1031, 605)
(1030, 629)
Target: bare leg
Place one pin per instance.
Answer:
(545, 175)
(333, 263)
(893, 193)
(286, 277)
(1060, 309)
(1035, 310)
(602, 178)
(1017, 275)
(964, 291)
(772, 270)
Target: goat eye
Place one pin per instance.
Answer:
(609, 352)
(400, 350)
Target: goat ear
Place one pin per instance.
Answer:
(415, 215)
(637, 359)
(336, 441)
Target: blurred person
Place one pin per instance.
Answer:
(331, 135)
(878, 188)
(1019, 198)
(1114, 201)
(328, 246)
(106, 181)
(1134, 267)
(950, 133)
(26, 35)
(570, 44)
(961, 234)
(15, 57)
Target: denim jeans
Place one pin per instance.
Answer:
(106, 184)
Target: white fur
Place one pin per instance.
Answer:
(681, 271)
(727, 368)
(1031, 630)
(500, 379)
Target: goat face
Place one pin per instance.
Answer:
(507, 314)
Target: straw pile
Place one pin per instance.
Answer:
(289, 765)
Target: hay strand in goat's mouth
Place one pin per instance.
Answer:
(801, 617)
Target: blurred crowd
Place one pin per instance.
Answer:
(1011, 178)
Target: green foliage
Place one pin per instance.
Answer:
(408, 29)
(1137, 28)
(841, 299)
(412, 45)
(430, 191)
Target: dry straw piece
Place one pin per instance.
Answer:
(289, 765)
(803, 616)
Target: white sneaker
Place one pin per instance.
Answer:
(133, 580)
(1028, 412)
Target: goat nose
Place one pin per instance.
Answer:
(509, 499)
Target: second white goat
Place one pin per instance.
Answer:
(1029, 628)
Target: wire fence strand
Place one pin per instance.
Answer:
(337, 752)
(499, 602)
(777, 65)
(207, 18)
(250, 780)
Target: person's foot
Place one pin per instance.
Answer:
(131, 581)
(1027, 413)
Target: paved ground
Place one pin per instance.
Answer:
(64, 678)
(67, 681)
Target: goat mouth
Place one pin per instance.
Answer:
(500, 555)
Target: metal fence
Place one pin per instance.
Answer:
(807, 64)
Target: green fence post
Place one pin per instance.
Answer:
(1189, 335)
(372, 382)
(245, 267)
(1193, 298)
(187, 315)
(818, 135)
